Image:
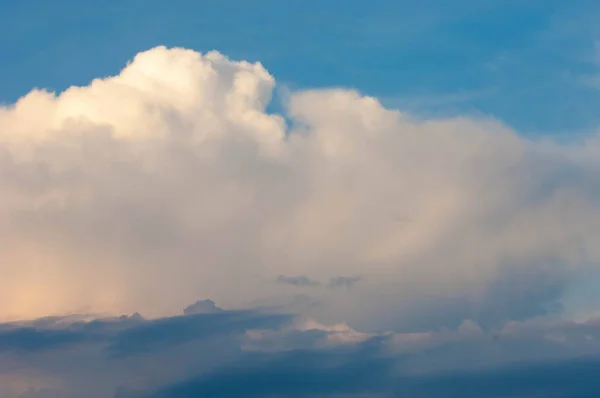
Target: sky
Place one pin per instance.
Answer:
(299, 199)
(525, 62)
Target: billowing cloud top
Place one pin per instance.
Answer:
(171, 181)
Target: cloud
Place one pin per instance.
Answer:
(343, 281)
(170, 181)
(163, 333)
(297, 281)
(292, 374)
(299, 377)
(264, 354)
(303, 281)
(202, 307)
(27, 339)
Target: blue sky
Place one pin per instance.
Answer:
(524, 62)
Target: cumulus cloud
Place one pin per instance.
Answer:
(170, 181)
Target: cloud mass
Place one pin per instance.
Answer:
(170, 181)
(258, 354)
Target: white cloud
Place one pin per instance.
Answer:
(170, 182)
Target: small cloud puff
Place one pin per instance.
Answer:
(202, 307)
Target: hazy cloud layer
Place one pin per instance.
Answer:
(170, 181)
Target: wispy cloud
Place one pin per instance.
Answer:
(297, 281)
(343, 281)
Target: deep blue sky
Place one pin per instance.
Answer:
(525, 62)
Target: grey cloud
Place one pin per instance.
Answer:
(365, 371)
(308, 373)
(560, 379)
(30, 340)
(521, 293)
(374, 378)
(259, 354)
(202, 307)
(297, 281)
(343, 281)
(167, 332)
